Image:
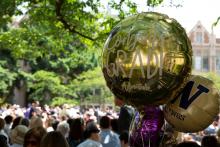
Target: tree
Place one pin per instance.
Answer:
(90, 87)
(213, 77)
(6, 83)
(59, 43)
(8, 74)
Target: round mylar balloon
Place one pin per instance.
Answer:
(195, 107)
(146, 59)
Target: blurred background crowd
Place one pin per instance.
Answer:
(41, 126)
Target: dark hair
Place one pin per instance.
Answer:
(55, 124)
(105, 122)
(114, 125)
(2, 124)
(209, 141)
(8, 119)
(216, 118)
(188, 144)
(37, 133)
(25, 122)
(17, 121)
(3, 141)
(70, 121)
(53, 139)
(124, 136)
(76, 129)
(91, 127)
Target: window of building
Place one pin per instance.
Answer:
(198, 63)
(218, 63)
(205, 64)
(198, 37)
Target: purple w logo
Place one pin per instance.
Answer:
(186, 100)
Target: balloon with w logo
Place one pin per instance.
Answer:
(195, 107)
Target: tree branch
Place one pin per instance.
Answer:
(67, 26)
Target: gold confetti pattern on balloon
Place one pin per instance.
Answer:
(146, 59)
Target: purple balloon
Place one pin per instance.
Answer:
(146, 126)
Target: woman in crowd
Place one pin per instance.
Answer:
(63, 128)
(17, 135)
(76, 132)
(33, 137)
(53, 139)
(35, 121)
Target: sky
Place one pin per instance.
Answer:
(192, 11)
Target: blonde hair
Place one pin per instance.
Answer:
(35, 122)
(18, 133)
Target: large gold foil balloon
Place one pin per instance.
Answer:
(195, 107)
(146, 59)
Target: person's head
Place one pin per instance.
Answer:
(34, 104)
(77, 129)
(49, 122)
(53, 139)
(55, 124)
(70, 121)
(63, 128)
(18, 133)
(25, 122)
(17, 121)
(33, 137)
(36, 122)
(124, 139)
(188, 144)
(8, 119)
(2, 124)
(92, 131)
(3, 141)
(118, 102)
(209, 141)
(105, 122)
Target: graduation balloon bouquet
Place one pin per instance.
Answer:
(146, 62)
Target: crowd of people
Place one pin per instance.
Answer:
(60, 126)
(65, 126)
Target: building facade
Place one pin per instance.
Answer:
(206, 49)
